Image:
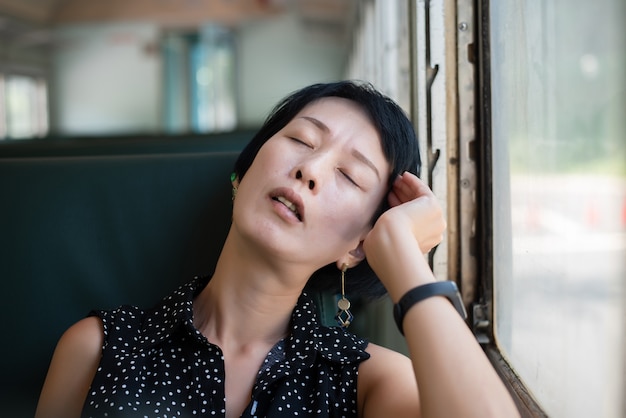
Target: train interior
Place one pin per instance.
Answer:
(120, 122)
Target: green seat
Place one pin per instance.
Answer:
(125, 145)
(79, 233)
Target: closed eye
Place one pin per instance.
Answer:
(347, 177)
(299, 141)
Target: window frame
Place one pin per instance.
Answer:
(524, 400)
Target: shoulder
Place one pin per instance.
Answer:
(80, 343)
(90, 325)
(72, 369)
(87, 334)
(387, 385)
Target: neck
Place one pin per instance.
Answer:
(248, 300)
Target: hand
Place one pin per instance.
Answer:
(413, 224)
(421, 207)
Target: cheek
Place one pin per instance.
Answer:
(266, 163)
(263, 159)
(350, 220)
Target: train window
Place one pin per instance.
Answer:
(199, 80)
(3, 118)
(559, 200)
(23, 107)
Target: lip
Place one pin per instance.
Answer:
(293, 197)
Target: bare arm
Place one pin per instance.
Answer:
(453, 374)
(386, 385)
(71, 371)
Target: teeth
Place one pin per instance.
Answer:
(287, 203)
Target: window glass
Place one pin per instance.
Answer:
(559, 188)
(3, 113)
(200, 81)
(212, 81)
(25, 107)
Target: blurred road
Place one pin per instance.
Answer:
(566, 302)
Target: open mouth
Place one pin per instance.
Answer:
(290, 205)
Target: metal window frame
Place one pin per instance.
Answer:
(483, 308)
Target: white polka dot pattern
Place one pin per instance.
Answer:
(155, 363)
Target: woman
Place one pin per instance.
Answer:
(325, 193)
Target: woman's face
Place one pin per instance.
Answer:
(313, 188)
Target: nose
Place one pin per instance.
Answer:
(311, 182)
(314, 170)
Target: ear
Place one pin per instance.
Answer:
(352, 258)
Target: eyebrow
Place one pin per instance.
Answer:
(317, 123)
(358, 155)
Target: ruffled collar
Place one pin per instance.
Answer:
(307, 340)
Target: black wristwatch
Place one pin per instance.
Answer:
(445, 288)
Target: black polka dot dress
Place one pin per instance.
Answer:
(155, 363)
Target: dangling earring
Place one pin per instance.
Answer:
(233, 177)
(344, 317)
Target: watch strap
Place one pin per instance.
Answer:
(445, 288)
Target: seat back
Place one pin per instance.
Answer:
(93, 231)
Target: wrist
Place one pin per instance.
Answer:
(398, 262)
(446, 288)
(404, 280)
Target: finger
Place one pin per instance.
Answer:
(393, 199)
(402, 191)
(412, 185)
(409, 187)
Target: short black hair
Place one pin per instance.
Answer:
(399, 144)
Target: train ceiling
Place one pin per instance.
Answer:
(172, 12)
(27, 22)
